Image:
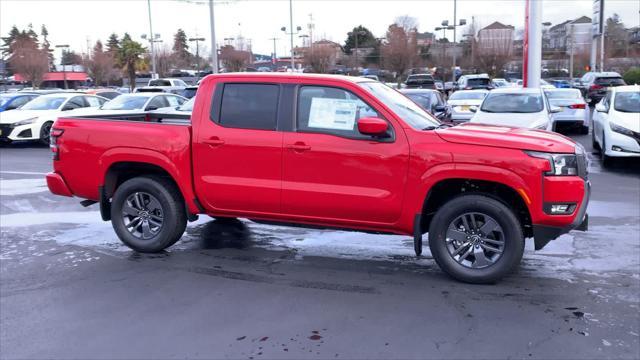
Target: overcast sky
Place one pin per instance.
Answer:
(75, 22)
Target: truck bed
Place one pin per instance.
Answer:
(89, 146)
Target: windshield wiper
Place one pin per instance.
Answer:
(441, 126)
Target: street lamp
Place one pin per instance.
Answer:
(446, 26)
(355, 35)
(197, 40)
(284, 29)
(152, 40)
(64, 71)
(229, 40)
(303, 37)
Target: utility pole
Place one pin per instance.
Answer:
(532, 56)
(214, 47)
(151, 38)
(571, 44)
(197, 40)
(453, 69)
(293, 63)
(274, 57)
(64, 70)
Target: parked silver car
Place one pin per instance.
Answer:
(574, 111)
(462, 101)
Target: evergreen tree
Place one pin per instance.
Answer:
(46, 46)
(113, 44)
(181, 48)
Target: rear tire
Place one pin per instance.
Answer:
(148, 213)
(607, 161)
(448, 234)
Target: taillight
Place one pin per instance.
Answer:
(53, 142)
(577, 106)
(595, 87)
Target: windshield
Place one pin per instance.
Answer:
(512, 103)
(468, 95)
(422, 100)
(44, 103)
(609, 81)
(402, 106)
(563, 94)
(126, 102)
(628, 102)
(188, 106)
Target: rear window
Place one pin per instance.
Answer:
(249, 106)
(610, 81)
(159, 83)
(512, 103)
(563, 94)
(472, 82)
(420, 78)
(468, 95)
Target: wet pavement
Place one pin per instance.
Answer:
(237, 289)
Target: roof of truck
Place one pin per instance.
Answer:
(268, 75)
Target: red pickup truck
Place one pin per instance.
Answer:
(340, 152)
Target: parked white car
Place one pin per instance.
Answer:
(462, 102)
(168, 85)
(616, 123)
(574, 110)
(517, 107)
(33, 120)
(134, 104)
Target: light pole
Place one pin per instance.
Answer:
(64, 71)
(446, 26)
(151, 38)
(355, 35)
(228, 40)
(284, 29)
(197, 41)
(274, 57)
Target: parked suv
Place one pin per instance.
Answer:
(594, 85)
(421, 81)
(330, 151)
(473, 82)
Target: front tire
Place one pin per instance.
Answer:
(148, 213)
(45, 133)
(476, 239)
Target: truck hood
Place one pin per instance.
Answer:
(507, 137)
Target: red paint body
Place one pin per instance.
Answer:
(313, 178)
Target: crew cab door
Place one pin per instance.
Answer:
(331, 171)
(237, 150)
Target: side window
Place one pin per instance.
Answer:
(75, 103)
(249, 106)
(331, 111)
(93, 101)
(157, 102)
(174, 101)
(607, 101)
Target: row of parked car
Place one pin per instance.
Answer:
(30, 115)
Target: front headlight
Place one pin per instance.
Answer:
(25, 122)
(561, 164)
(620, 129)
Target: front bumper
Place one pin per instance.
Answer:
(621, 145)
(14, 133)
(542, 234)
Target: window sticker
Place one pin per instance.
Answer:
(336, 114)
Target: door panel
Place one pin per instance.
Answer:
(330, 171)
(240, 169)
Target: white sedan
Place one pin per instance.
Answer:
(134, 104)
(574, 110)
(616, 123)
(462, 101)
(517, 107)
(33, 120)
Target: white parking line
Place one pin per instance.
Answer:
(22, 173)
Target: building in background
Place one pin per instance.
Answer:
(496, 37)
(576, 31)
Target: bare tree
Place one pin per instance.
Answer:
(29, 61)
(320, 58)
(100, 64)
(234, 60)
(407, 23)
(399, 52)
(494, 50)
(165, 61)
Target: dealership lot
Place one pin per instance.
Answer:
(237, 289)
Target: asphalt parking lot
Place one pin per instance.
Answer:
(236, 289)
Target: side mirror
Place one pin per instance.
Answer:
(372, 126)
(151, 108)
(439, 108)
(555, 109)
(600, 108)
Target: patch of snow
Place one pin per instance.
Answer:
(22, 186)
